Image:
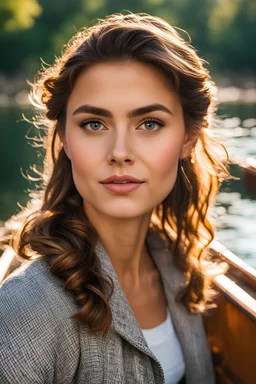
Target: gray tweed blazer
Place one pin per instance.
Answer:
(40, 343)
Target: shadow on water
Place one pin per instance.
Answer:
(16, 157)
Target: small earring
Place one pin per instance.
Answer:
(192, 156)
(187, 181)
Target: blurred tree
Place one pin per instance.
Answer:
(232, 28)
(18, 14)
(221, 30)
(24, 48)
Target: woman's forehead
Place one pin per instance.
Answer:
(131, 84)
(123, 72)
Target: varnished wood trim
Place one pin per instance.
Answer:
(231, 334)
(232, 259)
(239, 270)
(237, 295)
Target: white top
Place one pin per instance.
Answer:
(163, 342)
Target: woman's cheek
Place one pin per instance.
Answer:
(166, 160)
(82, 157)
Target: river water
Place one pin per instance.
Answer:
(234, 213)
(236, 205)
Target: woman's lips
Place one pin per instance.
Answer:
(122, 188)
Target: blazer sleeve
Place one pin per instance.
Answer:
(37, 343)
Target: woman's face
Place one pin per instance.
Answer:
(123, 118)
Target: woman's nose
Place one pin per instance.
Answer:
(121, 149)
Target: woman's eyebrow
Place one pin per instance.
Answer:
(134, 113)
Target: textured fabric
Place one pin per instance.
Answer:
(163, 342)
(40, 343)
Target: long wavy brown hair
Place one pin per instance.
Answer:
(54, 225)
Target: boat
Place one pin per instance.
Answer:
(231, 326)
(249, 174)
(245, 169)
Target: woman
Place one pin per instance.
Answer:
(118, 273)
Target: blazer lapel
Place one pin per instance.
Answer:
(189, 327)
(124, 321)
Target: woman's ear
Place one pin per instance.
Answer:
(63, 140)
(188, 145)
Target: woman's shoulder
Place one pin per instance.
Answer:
(33, 284)
(37, 332)
(33, 296)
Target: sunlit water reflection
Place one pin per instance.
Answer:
(235, 213)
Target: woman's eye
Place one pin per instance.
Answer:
(91, 125)
(95, 125)
(152, 125)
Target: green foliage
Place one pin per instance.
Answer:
(221, 30)
(232, 29)
(223, 16)
(18, 14)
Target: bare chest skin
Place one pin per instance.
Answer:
(149, 304)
